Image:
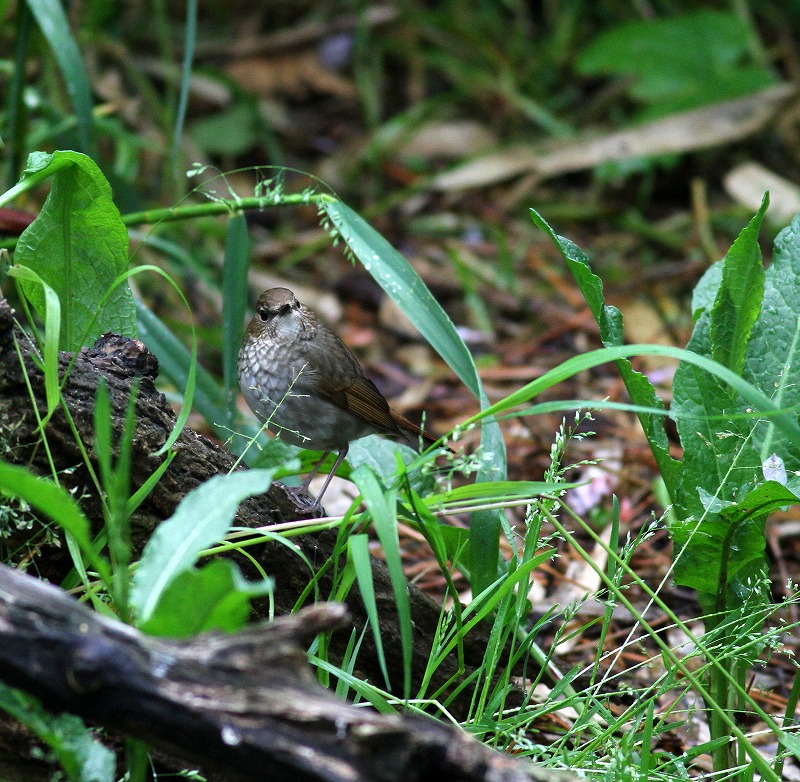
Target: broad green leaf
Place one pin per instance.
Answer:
(57, 503)
(705, 292)
(724, 450)
(202, 518)
(609, 319)
(772, 357)
(81, 755)
(729, 542)
(214, 597)
(52, 21)
(232, 131)
(405, 287)
(738, 299)
(720, 452)
(79, 247)
(680, 62)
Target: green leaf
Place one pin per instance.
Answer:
(52, 332)
(678, 63)
(232, 131)
(771, 363)
(609, 319)
(405, 287)
(738, 299)
(81, 755)
(52, 21)
(380, 455)
(728, 544)
(723, 448)
(358, 551)
(234, 305)
(79, 247)
(214, 597)
(382, 507)
(203, 517)
(705, 292)
(57, 503)
(498, 490)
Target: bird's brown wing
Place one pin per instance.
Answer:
(363, 399)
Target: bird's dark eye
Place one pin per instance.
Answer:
(263, 314)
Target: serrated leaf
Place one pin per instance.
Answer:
(609, 319)
(79, 246)
(738, 299)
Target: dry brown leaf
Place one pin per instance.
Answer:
(705, 127)
(448, 140)
(747, 183)
(295, 74)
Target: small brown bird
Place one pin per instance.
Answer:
(303, 382)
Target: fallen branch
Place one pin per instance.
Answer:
(246, 704)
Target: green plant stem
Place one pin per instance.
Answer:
(733, 729)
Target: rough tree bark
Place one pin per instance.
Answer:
(245, 704)
(122, 363)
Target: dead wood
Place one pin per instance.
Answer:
(245, 704)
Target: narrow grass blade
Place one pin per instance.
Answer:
(52, 21)
(52, 334)
(402, 284)
(358, 549)
(234, 304)
(383, 510)
(59, 505)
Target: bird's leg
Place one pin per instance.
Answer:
(339, 458)
(310, 477)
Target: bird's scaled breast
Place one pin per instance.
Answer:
(280, 389)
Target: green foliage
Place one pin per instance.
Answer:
(402, 283)
(213, 597)
(724, 444)
(79, 247)
(724, 449)
(52, 21)
(609, 319)
(202, 518)
(231, 132)
(81, 755)
(678, 63)
(234, 305)
(747, 319)
(57, 503)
